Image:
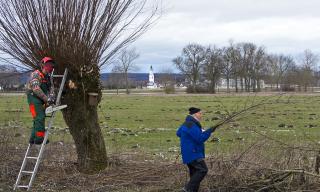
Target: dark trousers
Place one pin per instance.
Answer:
(198, 170)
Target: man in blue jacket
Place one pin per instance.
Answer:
(192, 138)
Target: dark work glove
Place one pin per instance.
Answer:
(213, 128)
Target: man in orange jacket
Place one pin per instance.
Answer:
(37, 93)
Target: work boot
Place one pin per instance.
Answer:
(31, 140)
(37, 142)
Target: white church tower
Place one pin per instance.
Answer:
(151, 84)
(151, 76)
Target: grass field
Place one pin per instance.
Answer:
(139, 131)
(148, 123)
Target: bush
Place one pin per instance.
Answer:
(287, 88)
(169, 89)
(199, 89)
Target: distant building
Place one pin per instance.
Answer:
(142, 80)
(151, 84)
(223, 83)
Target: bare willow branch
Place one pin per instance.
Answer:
(253, 106)
(74, 32)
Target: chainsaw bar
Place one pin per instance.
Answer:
(51, 109)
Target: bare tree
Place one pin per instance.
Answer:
(190, 63)
(308, 63)
(81, 36)
(279, 65)
(231, 66)
(259, 67)
(167, 79)
(235, 58)
(247, 54)
(125, 64)
(213, 66)
(309, 59)
(291, 76)
(242, 66)
(115, 80)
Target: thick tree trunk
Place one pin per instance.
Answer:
(212, 88)
(228, 84)
(246, 84)
(236, 84)
(82, 119)
(241, 82)
(254, 85)
(127, 83)
(194, 90)
(258, 85)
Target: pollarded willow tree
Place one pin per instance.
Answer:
(81, 35)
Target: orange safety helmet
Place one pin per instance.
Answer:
(46, 59)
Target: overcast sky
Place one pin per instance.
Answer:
(282, 26)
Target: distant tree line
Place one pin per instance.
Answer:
(246, 65)
(10, 81)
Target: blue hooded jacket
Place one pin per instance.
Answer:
(192, 139)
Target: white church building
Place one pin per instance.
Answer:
(151, 84)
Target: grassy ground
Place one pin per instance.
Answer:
(148, 123)
(145, 126)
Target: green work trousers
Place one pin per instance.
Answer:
(37, 110)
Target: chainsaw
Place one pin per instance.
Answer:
(52, 109)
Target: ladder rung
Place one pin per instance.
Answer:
(23, 186)
(32, 157)
(28, 172)
(57, 75)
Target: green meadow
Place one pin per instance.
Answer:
(147, 124)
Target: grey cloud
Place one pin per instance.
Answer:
(234, 10)
(282, 26)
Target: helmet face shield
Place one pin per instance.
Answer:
(48, 67)
(47, 64)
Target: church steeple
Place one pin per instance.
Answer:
(151, 84)
(151, 76)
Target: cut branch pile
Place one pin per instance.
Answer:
(245, 171)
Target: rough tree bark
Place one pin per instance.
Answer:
(82, 119)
